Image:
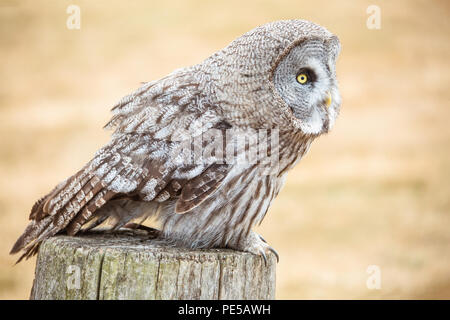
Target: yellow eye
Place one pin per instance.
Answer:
(302, 78)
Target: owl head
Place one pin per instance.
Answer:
(280, 74)
(305, 79)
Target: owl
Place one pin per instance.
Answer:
(204, 150)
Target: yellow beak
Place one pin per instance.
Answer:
(328, 100)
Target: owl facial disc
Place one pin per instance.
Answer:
(306, 81)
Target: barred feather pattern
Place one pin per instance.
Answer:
(242, 201)
(142, 172)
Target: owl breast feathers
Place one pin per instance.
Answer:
(205, 149)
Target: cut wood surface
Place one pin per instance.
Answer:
(130, 266)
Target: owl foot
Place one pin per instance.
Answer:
(257, 245)
(151, 233)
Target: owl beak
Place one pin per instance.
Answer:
(328, 100)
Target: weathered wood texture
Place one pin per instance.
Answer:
(120, 266)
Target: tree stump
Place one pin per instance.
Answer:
(124, 266)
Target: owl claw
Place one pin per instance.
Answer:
(271, 250)
(151, 233)
(275, 253)
(264, 240)
(263, 255)
(265, 250)
(257, 245)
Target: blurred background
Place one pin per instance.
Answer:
(375, 191)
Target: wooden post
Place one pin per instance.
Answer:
(123, 266)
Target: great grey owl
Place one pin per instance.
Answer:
(275, 86)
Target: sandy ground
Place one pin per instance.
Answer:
(375, 191)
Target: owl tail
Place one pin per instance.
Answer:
(68, 206)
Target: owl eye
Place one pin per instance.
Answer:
(302, 78)
(306, 75)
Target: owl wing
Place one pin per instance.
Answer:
(141, 162)
(182, 113)
(198, 189)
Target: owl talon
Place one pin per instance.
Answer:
(257, 245)
(264, 240)
(263, 255)
(275, 253)
(151, 233)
